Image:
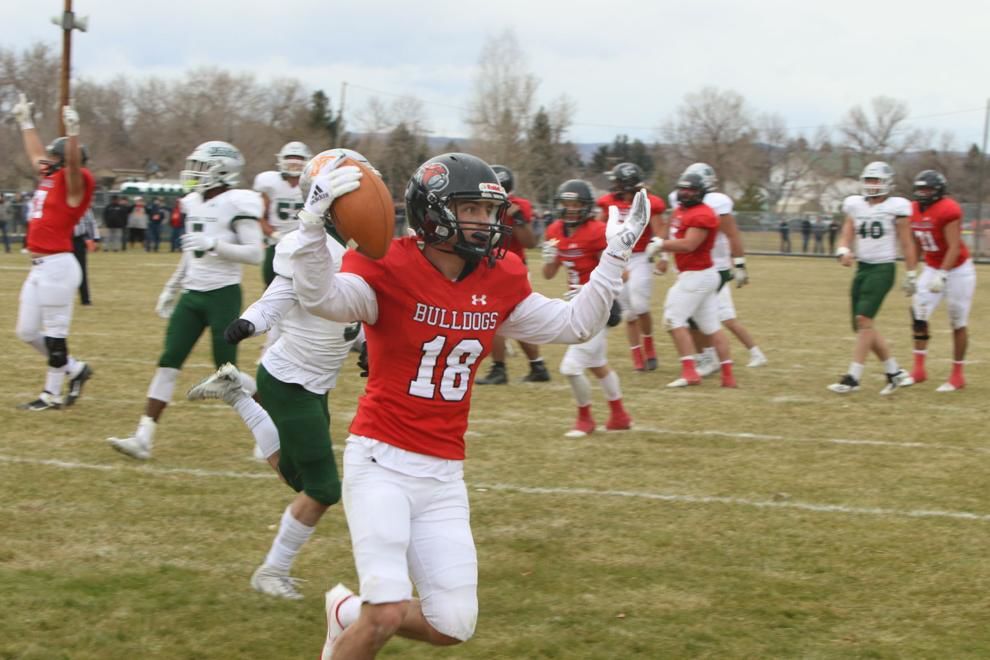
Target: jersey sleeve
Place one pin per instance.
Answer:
(555, 230)
(705, 218)
(343, 297)
(247, 205)
(656, 205)
(900, 207)
(849, 204)
(951, 212)
(525, 208)
(263, 183)
(282, 264)
(720, 203)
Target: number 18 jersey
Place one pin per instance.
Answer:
(875, 226)
(426, 343)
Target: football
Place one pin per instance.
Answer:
(366, 215)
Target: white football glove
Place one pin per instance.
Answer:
(910, 286)
(622, 235)
(654, 247)
(197, 241)
(329, 185)
(573, 291)
(550, 251)
(166, 302)
(937, 285)
(71, 120)
(740, 275)
(22, 112)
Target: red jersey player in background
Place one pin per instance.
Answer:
(693, 228)
(936, 223)
(520, 213)
(627, 179)
(432, 306)
(46, 301)
(576, 244)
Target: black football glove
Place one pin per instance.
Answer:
(614, 314)
(363, 360)
(238, 331)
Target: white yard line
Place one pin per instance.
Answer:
(541, 490)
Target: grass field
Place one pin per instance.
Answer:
(775, 521)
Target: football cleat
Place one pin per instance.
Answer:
(582, 427)
(45, 401)
(949, 386)
(618, 421)
(757, 361)
(845, 385)
(896, 380)
(272, 582)
(729, 381)
(706, 366)
(496, 376)
(332, 602)
(684, 382)
(131, 446)
(76, 384)
(224, 384)
(537, 373)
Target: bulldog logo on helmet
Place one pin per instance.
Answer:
(434, 176)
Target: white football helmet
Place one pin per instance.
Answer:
(707, 174)
(292, 158)
(327, 160)
(884, 175)
(210, 165)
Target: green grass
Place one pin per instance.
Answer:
(774, 521)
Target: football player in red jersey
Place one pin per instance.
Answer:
(520, 212)
(576, 244)
(627, 179)
(62, 197)
(936, 223)
(432, 306)
(693, 229)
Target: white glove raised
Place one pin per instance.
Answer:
(166, 302)
(22, 112)
(330, 184)
(622, 235)
(550, 251)
(573, 291)
(740, 275)
(197, 241)
(910, 286)
(71, 120)
(654, 247)
(937, 285)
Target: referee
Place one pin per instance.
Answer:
(84, 238)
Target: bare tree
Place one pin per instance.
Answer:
(785, 166)
(880, 132)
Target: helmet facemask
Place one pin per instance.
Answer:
(292, 158)
(690, 190)
(212, 165)
(474, 239)
(877, 180)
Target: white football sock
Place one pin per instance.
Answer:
(890, 366)
(53, 381)
(163, 384)
(146, 431)
(291, 536)
(856, 371)
(581, 389)
(260, 423)
(610, 385)
(248, 384)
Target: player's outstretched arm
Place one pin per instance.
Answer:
(23, 115)
(265, 313)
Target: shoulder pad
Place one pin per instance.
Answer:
(247, 203)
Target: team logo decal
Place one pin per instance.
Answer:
(479, 299)
(434, 177)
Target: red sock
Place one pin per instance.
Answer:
(728, 380)
(616, 407)
(919, 360)
(956, 378)
(648, 349)
(584, 412)
(688, 372)
(637, 358)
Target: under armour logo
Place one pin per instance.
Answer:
(479, 300)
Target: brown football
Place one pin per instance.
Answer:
(367, 214)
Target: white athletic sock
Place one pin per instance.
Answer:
(291, 536)
(610, 385)
(260, 423)
(856, 371)
(248, 383)
(53, 381)
(349, 611)
(146, 431)
(890, 366)
(581, 389)
(163, 384)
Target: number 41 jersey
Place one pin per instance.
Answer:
(425, 346)
(875, 226)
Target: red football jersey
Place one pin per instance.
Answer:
(657, 207)
(580, 252)
(526, 212)
(425, 347)
(929, 228)
(52, 219)
(700, 215)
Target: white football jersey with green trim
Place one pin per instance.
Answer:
(875, 226)
(216, 217)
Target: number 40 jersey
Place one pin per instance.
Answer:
(875, 226)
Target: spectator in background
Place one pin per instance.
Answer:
(785, 236)
(178, 227)
(6, 214)
(115, 219)
(818, 228)
(137, 222)
(156, 218)
(833, 232)
(84, 238)
(805, 234)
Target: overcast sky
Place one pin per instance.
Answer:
(627, 64)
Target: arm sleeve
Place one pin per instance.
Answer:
(275, 302)
(248, 250)
(541, 320)
(341, 297)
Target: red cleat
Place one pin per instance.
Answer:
(584, 424)
(618, 419)
(729, 381)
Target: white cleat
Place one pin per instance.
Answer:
(845, 385)
(947, 387)
(131, 446)
(683, 382)
(333, 600)
(757, 361)
(224, 384)
(895, 381)
(707, 366)
(269, 581)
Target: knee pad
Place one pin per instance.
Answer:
(919, 328)
(325, 491)
(453, 612)
(58, 352)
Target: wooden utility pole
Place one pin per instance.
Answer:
(67, 22)
(978, 229)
